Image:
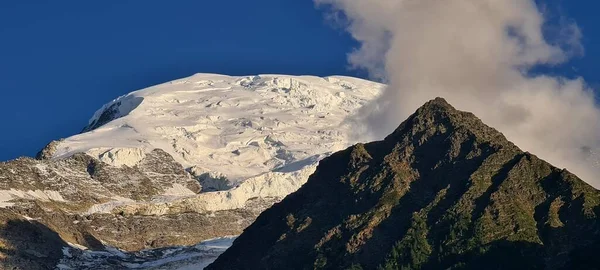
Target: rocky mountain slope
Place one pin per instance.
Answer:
(172, 165)
(444, 191)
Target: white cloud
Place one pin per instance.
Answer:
(476, 54)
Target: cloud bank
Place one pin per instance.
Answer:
(477, 54)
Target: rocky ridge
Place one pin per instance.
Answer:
(444, 191)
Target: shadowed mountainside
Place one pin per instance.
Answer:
(28, 244)
(444, 191)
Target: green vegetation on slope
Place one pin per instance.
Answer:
(444, 191)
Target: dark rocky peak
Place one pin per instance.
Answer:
(443, 191)
(438, 117)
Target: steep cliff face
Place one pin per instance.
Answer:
(444, 191)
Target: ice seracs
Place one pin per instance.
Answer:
(226, 129)
(237, 126)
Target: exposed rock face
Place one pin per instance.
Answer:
(84, 180)
(48, 151)
(444, 191)
(27, 244)
(48, 205)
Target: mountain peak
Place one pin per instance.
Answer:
(437, 117)
(444, 191)
(438, 103)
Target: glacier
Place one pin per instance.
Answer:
(263, 135)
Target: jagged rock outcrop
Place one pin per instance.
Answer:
(444, 191)
(48, 151)
(84, 180)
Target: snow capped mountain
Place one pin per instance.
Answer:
(268, 131)
(173, 165)
(235, 126)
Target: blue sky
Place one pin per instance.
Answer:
(61, 60)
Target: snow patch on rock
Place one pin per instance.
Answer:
(42, 195)
(179, 190)
(109, 206)
(177, 258)
(118, 156)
